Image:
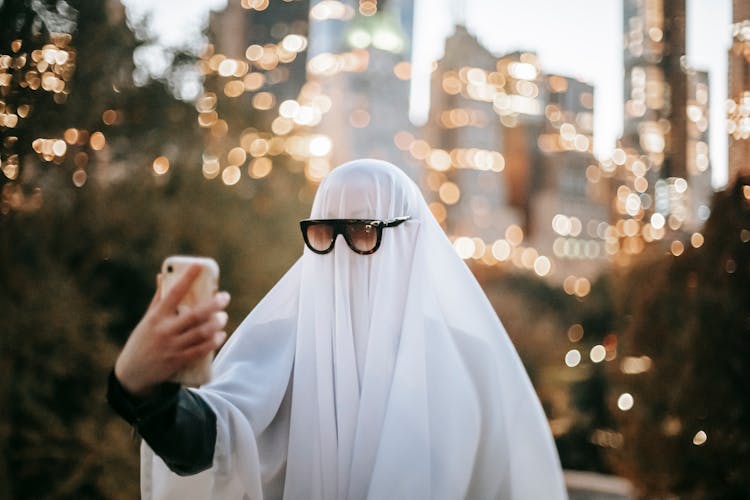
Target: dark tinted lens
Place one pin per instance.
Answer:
(362, 236)
(319, 236)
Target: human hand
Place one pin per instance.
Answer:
(163, 343)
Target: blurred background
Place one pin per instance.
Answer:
(589, 160)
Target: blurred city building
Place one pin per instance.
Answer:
(570, 214)
(360, 60)
(463, 178)
(661, 171)
(506, 151)
(738, 102)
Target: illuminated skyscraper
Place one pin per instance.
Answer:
(360, 59)
(738, 124)
(656, 83)
(661, 172)
(506, 154)
(464, 179)
(569, 206)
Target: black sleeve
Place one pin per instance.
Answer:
(176, 423)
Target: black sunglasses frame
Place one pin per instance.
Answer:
(338, 226)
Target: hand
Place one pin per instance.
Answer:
(163, 343)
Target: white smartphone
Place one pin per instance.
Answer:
(203, 288)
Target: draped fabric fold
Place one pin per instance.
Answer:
(372, 377)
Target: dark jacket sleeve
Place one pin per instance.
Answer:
(175, 422)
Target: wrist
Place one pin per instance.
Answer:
(141, 411)
(131, 385)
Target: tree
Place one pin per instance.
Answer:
(688, 432)
(538, 318)
(82, 234)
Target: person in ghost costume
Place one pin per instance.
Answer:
(375, 368)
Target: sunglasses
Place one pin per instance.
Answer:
(362, 235)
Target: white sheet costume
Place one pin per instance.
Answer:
(387, 376)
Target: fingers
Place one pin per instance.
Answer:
(207, 345)
(200, 313)
(180, 289)
(203, 331)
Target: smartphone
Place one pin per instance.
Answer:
(203, 288)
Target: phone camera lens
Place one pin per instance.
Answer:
(169, 269)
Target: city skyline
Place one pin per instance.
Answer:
(561, 40)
